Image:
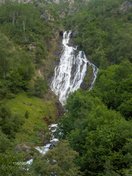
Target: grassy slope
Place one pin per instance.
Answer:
(35, 126)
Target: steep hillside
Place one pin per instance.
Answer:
(103, 31)
(27, 60)
(94, 124)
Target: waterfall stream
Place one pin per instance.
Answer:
(68, 77)
(70, 72)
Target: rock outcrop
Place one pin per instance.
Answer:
(126, 6)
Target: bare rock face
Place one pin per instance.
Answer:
(126, 6)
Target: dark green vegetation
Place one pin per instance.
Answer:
(23, 48)
(25, 109)
(104, 31)
(97, 124)
(96, 127)
(61, 161)
(102, 137)
(114, 87)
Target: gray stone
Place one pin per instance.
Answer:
(127, 5)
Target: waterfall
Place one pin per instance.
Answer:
(68, 77)
(70, 73)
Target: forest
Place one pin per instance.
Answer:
(94, 127)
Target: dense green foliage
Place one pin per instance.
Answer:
(103, 31)
(9, 124)
(58, 161)
(96, 127)
(114, 87)
(24, 42)
(101, 136)
(22, 23)
(16, 67)
(98, 123)
(24, 118)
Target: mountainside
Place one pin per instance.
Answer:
(65, 87)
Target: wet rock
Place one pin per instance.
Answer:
(74, 34)
(60, 109)
(61, 33)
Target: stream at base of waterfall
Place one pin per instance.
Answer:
(68, 77)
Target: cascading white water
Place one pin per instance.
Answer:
(44, 149)
(68, 77)
(70, 72)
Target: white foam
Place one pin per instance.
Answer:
(70, 73)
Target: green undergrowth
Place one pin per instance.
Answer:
(36, 114)
(88, 78)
